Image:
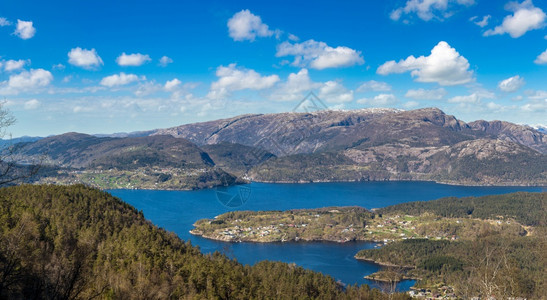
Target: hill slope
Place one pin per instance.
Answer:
(79, 243)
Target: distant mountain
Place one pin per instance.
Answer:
(366, 144)
(235, 158)
(539, 127)
(23, 139)
(145, 162)
(521, 134)
(381, 144)
(126, 134)
(293, 133)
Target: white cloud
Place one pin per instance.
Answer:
(232, 78)
(536, 106)
(87, 59)
(335, 92)
(494, 106)
(164, 61)
(474, 98)
(444, 65)
(133, 60)
(429, 9)
(318, 55)
(481, 23)
(375, 86)
(411, 104)
(293, 37)
(24, 29)
(423, 94)
(542, 58)
(26, 81)
(536, 95)
(32, 104)
(14, 65)
(294, 88)
(171, 85)
(525, 17)
(58, 67)
(4, 22)
(511, 84)
(246, 26)
(379, 100)
(120, 79)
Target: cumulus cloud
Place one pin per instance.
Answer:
(32, 104)
(120, 79)
(87, 59)
(26, 81)
(232, 78)
(4, 22)
(379, 100)
(164, 61)
(132, 60)
(246, 26)
(294, 88)
(423, 94)
(473, 98)
(335, 92)
(428, 9)
(525, 17)
(318, 55)
(542, 58)
(171, 85)
(14, 65)
(24, 29)
(444, 65)
(511, 84)
(375, 86)
(481, 23)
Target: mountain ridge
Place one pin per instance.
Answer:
(366, 144)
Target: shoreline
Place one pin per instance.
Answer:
(383, 264)
(193, 232)
(455, 183)
(509, 184)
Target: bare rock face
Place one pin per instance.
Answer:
(293, 133)
(330, 145)
(521, 134)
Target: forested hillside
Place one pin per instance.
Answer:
(526, 208)
(75, 242)
(486, 262)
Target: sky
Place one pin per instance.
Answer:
(122, 66)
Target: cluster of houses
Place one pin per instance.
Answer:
(237, 232)
(444, 292)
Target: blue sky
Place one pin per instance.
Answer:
(120, 66)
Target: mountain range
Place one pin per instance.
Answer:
(330, 145)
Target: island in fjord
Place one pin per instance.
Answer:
(444, 244)
(343, 224)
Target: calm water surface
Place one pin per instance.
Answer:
(177, 210)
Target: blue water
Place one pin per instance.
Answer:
(177, 210)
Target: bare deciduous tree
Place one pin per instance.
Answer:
(10, 168)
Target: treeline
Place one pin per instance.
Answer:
(526, 208)
(74, 242)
